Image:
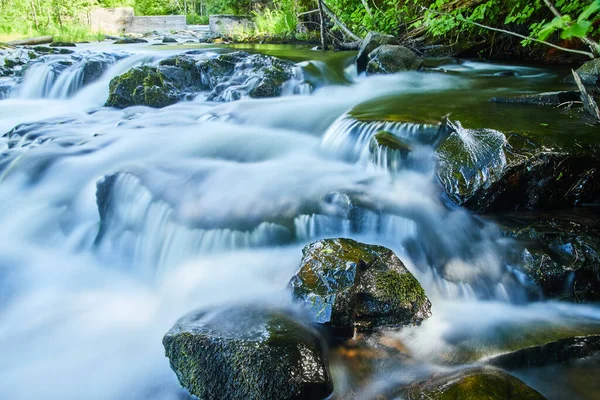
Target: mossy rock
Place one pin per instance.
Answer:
(248, 352)
(141, 86)
(472, 384)
(349, 285)
(372, 41)
(389, 59)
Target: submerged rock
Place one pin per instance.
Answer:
(350, 285)
(560, 351)
(130, 40)
(480, 383)
(540, 99)
(388, 59)
(562, 258)
(372, 41)
(248, 352)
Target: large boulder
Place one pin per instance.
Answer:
(248, 352)
(562, 257)
(372, 41)
(389, 59)
(142, 86)
(349, 285)
(476, 383)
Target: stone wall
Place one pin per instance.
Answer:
(123, 20)
(228, 23)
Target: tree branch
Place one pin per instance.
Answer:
(585, 53)
(593, 45)
(339, 23)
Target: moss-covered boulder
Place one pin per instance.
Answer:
(142, 86)
(372, 41)
(562, 257)
(248, 352)
(472, 384)
(349, 285)
(229, 77)
(389, 59)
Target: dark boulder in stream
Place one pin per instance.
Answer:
(547, 180)
(248, 352)
(562, 258)
(389, 59)
(229, 77)
(556, 352)
(349, 285)
(476, 384)
(372, 41)
(589, 73)
(540, 99)
(487, 172)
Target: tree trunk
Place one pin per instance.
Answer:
(322, 19)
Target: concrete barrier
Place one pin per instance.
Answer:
(223, 23)
(157, 23)
(122, 20)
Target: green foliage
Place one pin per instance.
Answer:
(278, 21)
(569, 28)
(195, 19)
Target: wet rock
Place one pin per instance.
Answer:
(229, 77)
(168, 39)
(62, 44)
(480, 383)
(50, 50)
(557, 352)
(589, 73)
(389, 59)
(141, 86)
(562, 258)
(471, 161)
(248, 352)
(540, 99)
(130, 40)
(547, 180)
(349, 285)
(372, 41)
(257, 76)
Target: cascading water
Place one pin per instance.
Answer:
(117, 222)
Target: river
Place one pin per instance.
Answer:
(212, 203)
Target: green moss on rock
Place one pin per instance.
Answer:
(350, 285)
(474, 384)
(248, 352)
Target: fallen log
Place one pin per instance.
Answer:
(33, 41)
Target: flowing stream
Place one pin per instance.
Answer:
(115, 223)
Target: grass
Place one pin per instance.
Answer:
(66, 33)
